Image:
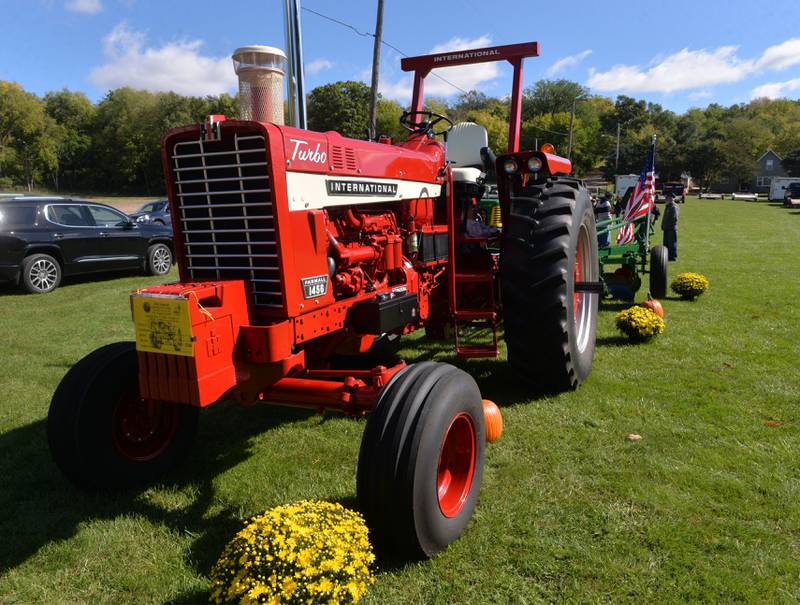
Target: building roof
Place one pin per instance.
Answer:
(769, 151)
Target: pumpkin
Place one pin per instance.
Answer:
(654, 306)
(493, 420)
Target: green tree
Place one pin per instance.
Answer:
(73, 115)
(791, 163)
(340, 106)
(551, 97)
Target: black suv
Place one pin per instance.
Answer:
(44, 238)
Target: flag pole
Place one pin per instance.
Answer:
(650, 208)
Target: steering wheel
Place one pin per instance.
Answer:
(424, 126)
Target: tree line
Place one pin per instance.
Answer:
(64, 142)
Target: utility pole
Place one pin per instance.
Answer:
(571, 126)
(376, 68)
(616, 158)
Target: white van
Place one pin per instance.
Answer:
(778, 185)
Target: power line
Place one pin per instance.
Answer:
(372, 35)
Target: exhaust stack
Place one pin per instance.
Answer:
(294, 49)
(260, 70)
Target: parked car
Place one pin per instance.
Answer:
(153, 212)
(43, 239)
(791, 197)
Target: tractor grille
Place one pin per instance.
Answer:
(224, 201)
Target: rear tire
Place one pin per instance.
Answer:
(659, 263)
(41, 273)
(103, 435)
(421, 459)
(159, 259)
(549, 243)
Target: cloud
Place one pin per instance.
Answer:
(89, 7)
(701, 94)
(318, 65)
(780, 56)
(775, 90)
(683, 70)
(176, 66)
(567, 62)
(466, 77)
(688, 69)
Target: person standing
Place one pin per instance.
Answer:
(602, 212)
(669, 225)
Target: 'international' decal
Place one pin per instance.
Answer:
(361, 188)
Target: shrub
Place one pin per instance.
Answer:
(689, 285)
(639, 323)
(309, 552)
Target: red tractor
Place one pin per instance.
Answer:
(295, 247)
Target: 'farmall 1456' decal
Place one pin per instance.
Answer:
(303, 151)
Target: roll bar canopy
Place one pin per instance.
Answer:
(513, 53)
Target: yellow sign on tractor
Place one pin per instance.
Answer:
(162, 325)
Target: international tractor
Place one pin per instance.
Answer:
(297, 248)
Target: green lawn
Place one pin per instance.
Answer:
(705, 508)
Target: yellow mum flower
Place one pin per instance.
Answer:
(310, 552)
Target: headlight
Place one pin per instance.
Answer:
(143, 219)
(510, 166)
(534, 164)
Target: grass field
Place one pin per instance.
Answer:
(705, 508)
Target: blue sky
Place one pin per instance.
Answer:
(680, 54)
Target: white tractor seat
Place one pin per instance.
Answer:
(466, 175)
(464, 143)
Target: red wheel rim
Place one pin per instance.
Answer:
(456, 465)
(143, 428)
(577, 297)
(581, 301)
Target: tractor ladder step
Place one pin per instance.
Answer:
(476, 351)
(473, 314)
(474, 278)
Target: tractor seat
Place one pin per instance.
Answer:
(467, 175)
(464, 143)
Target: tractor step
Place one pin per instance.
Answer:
(476, 351)
(474, 277)
(471, 314)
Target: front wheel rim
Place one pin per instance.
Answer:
(161, 260)
(143, 428)
(43, 274)
(456, 465)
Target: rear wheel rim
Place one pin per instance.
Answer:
(43, 274)
(581, 301)
(161, 260)
(143, 428)
(456, 465)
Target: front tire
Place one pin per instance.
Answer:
(659, 263)
(159, 259)
(550, 244)
(421, 459)
(102, 434)
(41, 273)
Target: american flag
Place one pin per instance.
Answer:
(642, 199)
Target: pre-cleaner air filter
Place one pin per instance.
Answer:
(260, 70)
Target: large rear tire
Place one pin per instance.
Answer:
(102, 434)
(659, 267)
(421, 460)
(549, 244)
